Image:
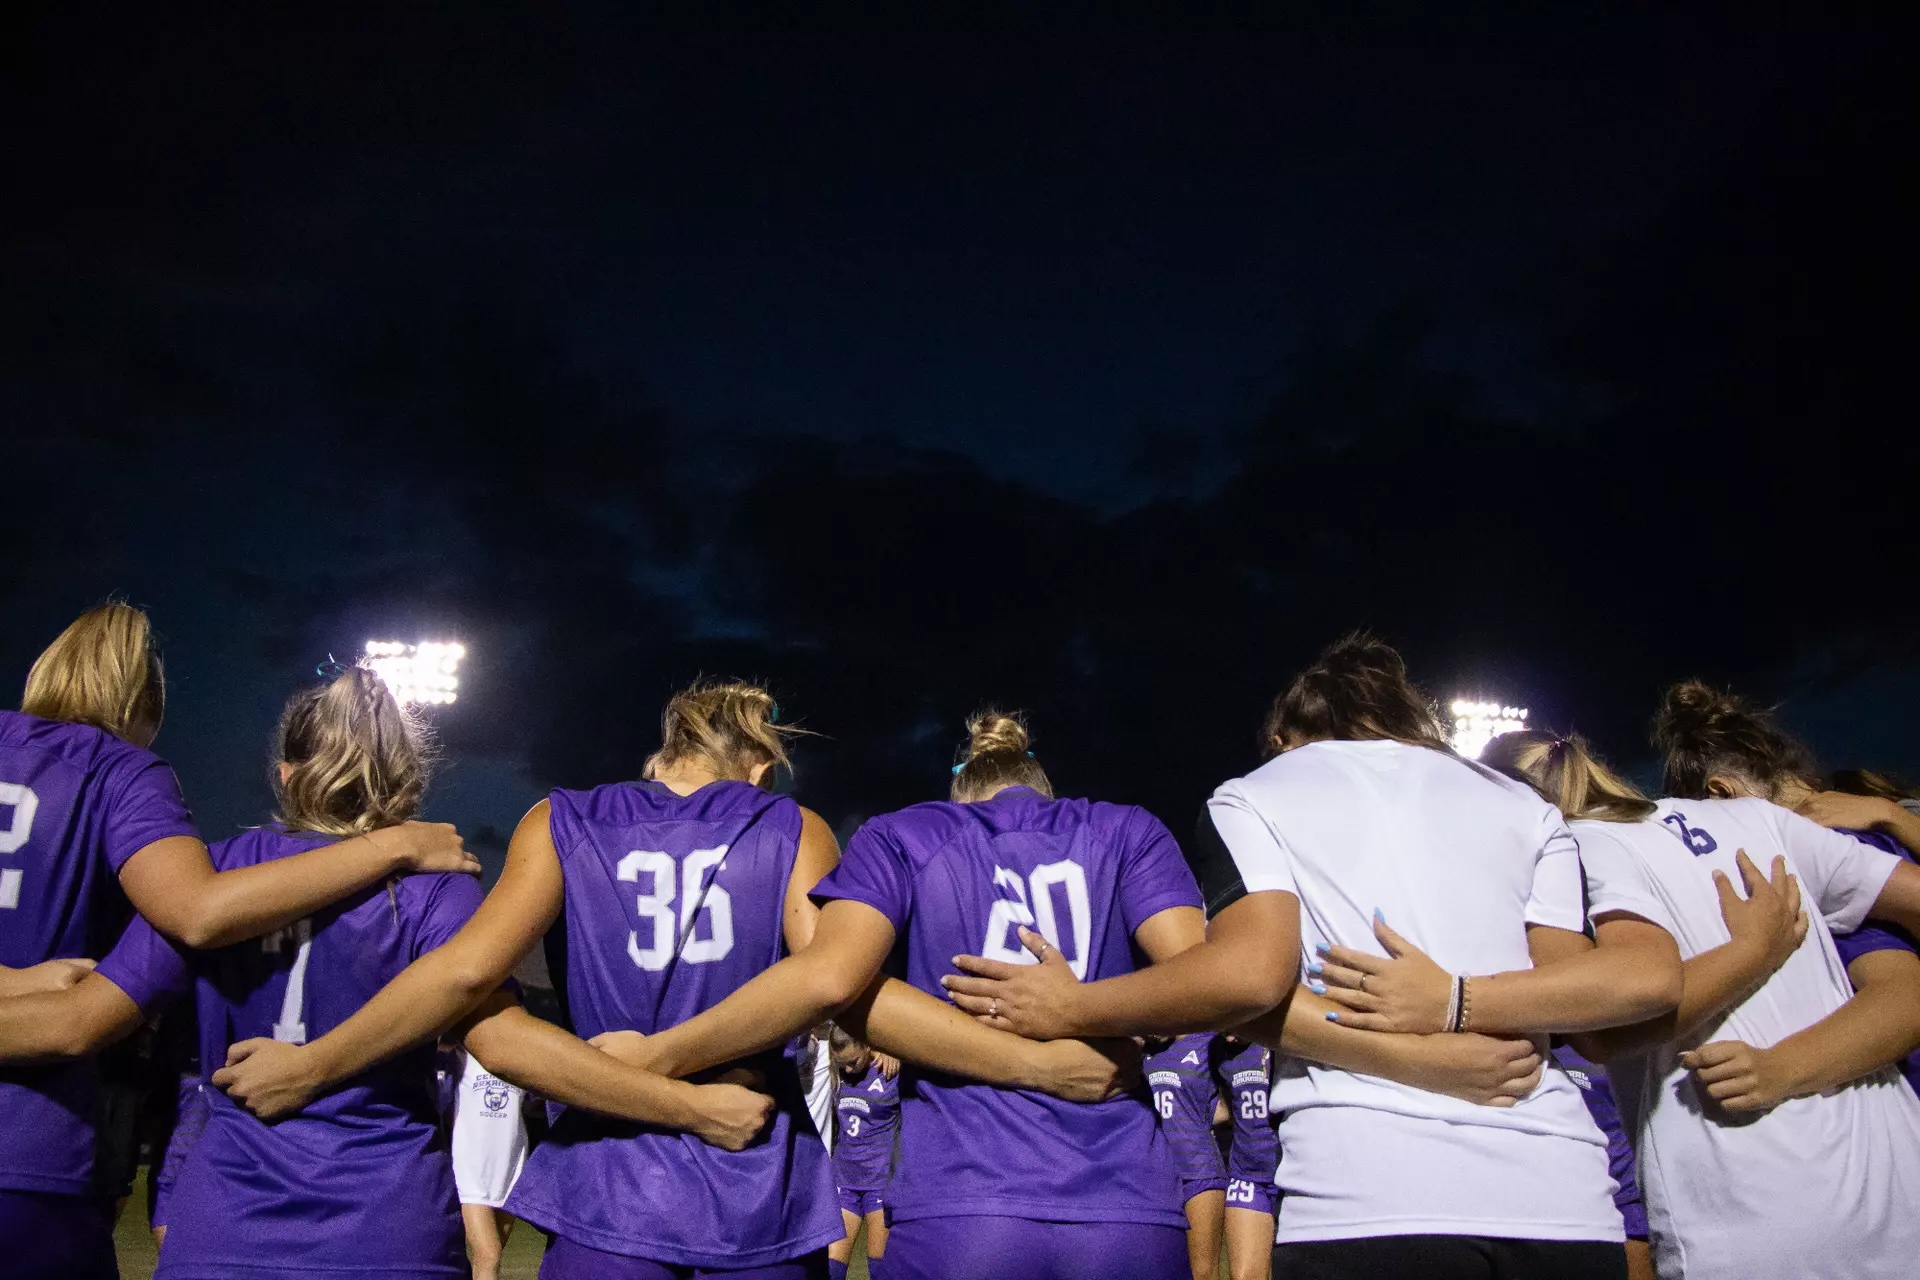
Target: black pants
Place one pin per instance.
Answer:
(1449, 1258)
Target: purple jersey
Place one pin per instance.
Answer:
(1878, 935)
(1181, 1077)
(1244, 1072)
(357, 1181)
(958, 878)
(672, 904)
(1597, 1092)
(75, 804)
(869, 1113)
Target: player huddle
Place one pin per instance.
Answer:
(1364, 953)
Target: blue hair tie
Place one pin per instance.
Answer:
(775, 718)
(332, 669)
(969, 760)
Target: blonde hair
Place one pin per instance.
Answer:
(103, 671)
(997, 757)
(728, 726)
(357, 761)
(1567, 774)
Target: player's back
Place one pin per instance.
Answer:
(359, 1179)
(672, 904)
(1085, 875)
(75, 804)
(1848, 1158)
(1245, 1073)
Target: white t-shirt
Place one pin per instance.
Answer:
(820, 1083)
(1821, 1186)
(489, 1135)
(1460, 861)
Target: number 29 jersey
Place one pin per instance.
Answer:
(672, 904)
(960, 878)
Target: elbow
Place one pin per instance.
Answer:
(201, 932)
(829, 991)
(1260, 989)
(1658, 993)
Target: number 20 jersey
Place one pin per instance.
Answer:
(672, 904)
(959, 878)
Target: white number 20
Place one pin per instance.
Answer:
(664, 927)
(1004, 944)
(24, 803)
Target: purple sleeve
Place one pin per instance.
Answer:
(1875, 936)
(874, 871)
(450, 904)
(145, 806)
(149, 967)
(1153, 872)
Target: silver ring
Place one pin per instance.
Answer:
(993, 1010)
(1363, 982)
(1045, 946)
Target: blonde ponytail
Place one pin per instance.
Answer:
(1568, 775)
(356, 761)
(997, 757)
(730, 727)
(103, 671)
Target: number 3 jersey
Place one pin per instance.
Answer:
(359, 1180)
(869, 1111)
(961, 878)
(672, 904)
(75, 804)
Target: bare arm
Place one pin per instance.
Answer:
(1880, 1025)
(1765, 927)
(428, 997)
(1633, 974)
(1481, 1069)
(1247, 965)
(48, 975)
(72, 1023)
(173, 884)
(1899, 901)
(543, 1059)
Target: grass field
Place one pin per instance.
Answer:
(134, 1243)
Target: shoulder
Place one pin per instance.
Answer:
(919, 828)
(262, 844)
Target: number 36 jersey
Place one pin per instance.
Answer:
(961, 878)
(359, 1179)
(672, 904)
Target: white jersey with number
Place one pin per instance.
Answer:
(489, 1135)
(1821, 1186)
(1460, 861)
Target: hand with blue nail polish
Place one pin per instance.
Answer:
(1406, 991)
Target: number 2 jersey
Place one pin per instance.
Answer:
(959, 878)
(672, 904)
(75, 804)
(356, 1182)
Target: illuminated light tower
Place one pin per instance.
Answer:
(427, 673)
(1476, 723)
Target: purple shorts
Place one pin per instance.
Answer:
(981, 1248)
(569, 1260)
(44, 1236)
(189, 1123)
(1255, 1197)
(861, 1203)
(1191, 1187)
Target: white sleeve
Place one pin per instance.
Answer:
(1555, 901)
(1261, 857)
(1617, 880)
(489, 1135)
(1842, 875)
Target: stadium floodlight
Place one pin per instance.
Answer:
(425, 673)
(1477, 722)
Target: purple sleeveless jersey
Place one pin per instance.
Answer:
(1878, 935)
(75, 804)
(1181, 1077)
(358, 1181)
(869, 1114)
(672, 904)
(1244, 1072)
(958, 878)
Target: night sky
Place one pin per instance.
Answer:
(1105, 375)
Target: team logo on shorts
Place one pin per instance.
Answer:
(494, 1096)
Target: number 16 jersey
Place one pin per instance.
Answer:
(960, 878)
(672, 904)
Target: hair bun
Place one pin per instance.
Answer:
(995, 732)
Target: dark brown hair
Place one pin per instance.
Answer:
(1358, 690)
(1567, 774)
(1870, 782)
(997, 757)
(1704, 732)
